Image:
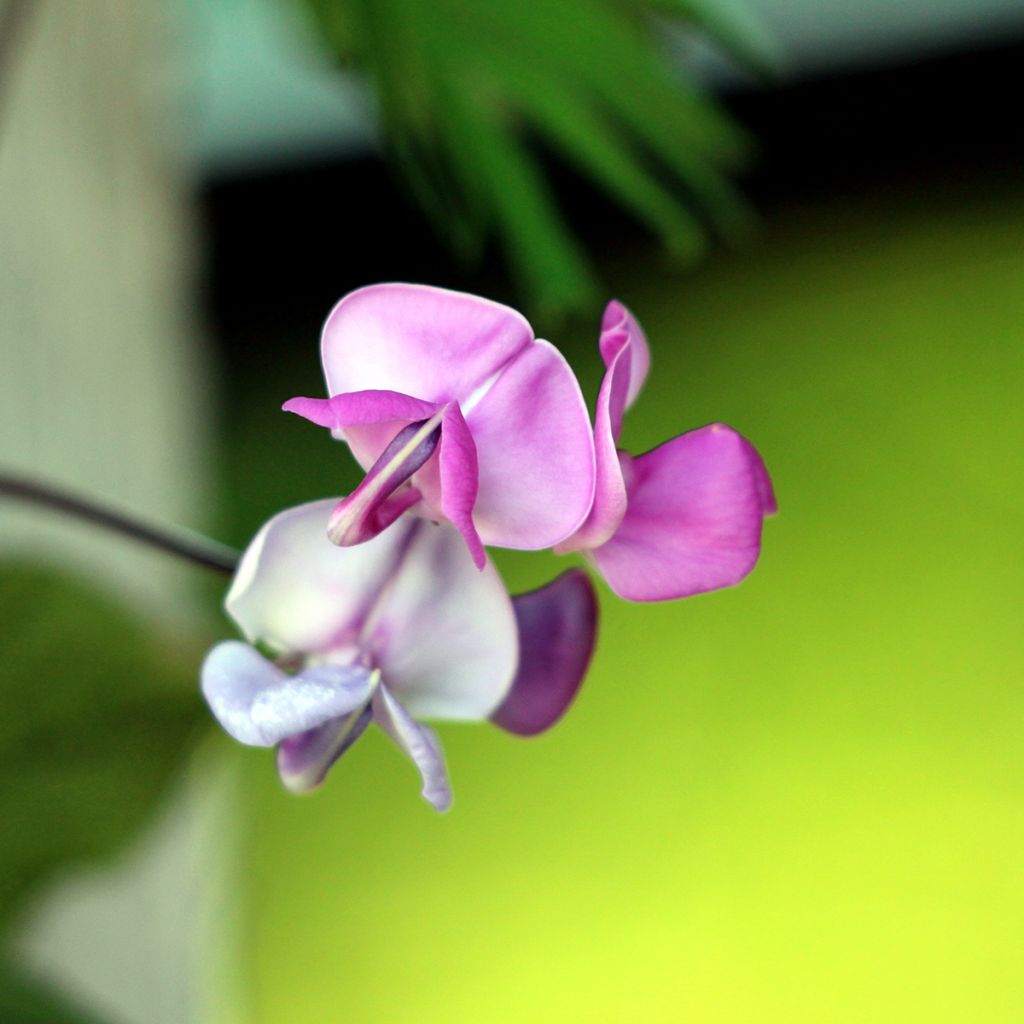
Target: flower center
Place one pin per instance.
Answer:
(374, 504)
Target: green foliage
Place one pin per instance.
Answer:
(465, 88)
(95, 716)
(23, 1000)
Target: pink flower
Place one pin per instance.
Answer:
(399, 628)
(682, 519)
(456, 411)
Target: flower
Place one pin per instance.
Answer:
(454, 409)
(682, 519)
(398, 628)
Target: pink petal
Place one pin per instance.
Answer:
(557, 628)
(693, 522)
(765, 490)
(535, 452)
(610, 489)
(430, 342)
(419, 742)
(460, 479)
(617, 320)
(298, 593)
(367, 420)
(443, 633)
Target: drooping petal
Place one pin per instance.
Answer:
(303, 760)
(258, 704)
(609, 489)
(297, 592)
(693, 522)
(618, 320)
(443, 633)
(460, 479)
(367, 420)
(430, 342)
(535, 452)
(374, 504)
(557, 627)
(419, 742)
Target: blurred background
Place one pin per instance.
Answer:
(798, 800)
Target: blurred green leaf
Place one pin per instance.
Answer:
(465, 88)
(96, 714)
(24, 1000)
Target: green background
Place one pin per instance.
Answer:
(797, 800)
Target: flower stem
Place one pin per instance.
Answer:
(190, 546)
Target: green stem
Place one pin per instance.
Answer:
(183, 543)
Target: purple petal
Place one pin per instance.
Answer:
(459, 480)
(304, 760)
(444, 634)
(693, 522)
(260, 705)
(439, 345)
(374, 505)
(419, 742)
(610, 489)
(557, 629)
(535, 451)
(618, 320)
(298, 593)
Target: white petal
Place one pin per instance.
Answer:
(444, 635)
(260, 705)
(419, 742)
(298, 592)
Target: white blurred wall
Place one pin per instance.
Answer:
(103, 388)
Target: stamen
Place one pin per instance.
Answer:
(374, 505)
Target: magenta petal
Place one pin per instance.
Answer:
(303, 760)
(459, 479)
(367, 420)
(765, 490)
(610, 489)
(430, 342)
(557, 629)
(618, 320)
(536, 453)
(419, 742)
(693, 522)
(359, 407)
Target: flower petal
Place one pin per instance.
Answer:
(535, 451)
(297, 592)
(557, 629)
(419, 742)
(430, 342)
(304, 760)
(367, 420)
(617, 320)
(260, 705)
(693, 522)
(765, 490)
(610, 489)
(358, 408)
(460, 480)
(444, 634)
